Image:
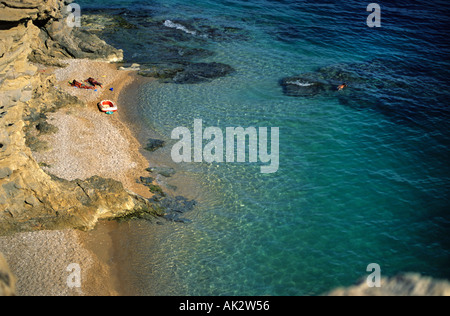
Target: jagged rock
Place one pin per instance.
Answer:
(63, 41)
(17, 11)
(55, 38)
(401, 285)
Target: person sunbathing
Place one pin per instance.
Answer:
(79, 85)
(94, 82)
(75, 83)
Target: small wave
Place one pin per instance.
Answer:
(301, 84)
(177, 26)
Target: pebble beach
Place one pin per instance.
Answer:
(86, 143)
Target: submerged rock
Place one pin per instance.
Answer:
(165, 207)
(162, 71)
(154, 144)
(170, 50)
(175, 207)
(201, 72)
(360, 77)
(165, 172)
(302, 86)
(189, 73)
(146, 180)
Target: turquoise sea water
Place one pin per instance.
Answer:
(363, 177)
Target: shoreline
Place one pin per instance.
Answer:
(100, 145)
(111, 264)
(79, 152)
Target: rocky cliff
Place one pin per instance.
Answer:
(34, 32)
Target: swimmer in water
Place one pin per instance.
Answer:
(342, 86)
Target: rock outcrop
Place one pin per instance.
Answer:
(55, 37)
(35, 32)
(401, 285)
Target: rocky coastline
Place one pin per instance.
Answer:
(34, 33)
(35, 36)
(38, 51)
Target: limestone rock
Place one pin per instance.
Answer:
(15, 10)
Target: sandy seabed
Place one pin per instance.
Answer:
(87, 143)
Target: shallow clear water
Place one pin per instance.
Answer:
(363, 177)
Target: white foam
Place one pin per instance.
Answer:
(177, 26)
(301, 84)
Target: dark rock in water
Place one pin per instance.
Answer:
(146, 180)
(162, 71)
(190, 73)
(157, 190)
(187, 73)
(301, 86)
(171, 187)
(389, 87)
(154, 144)
(165, 172)
(358, 76)
(201, 72)
(175, 54)
(221, 33)
(166, 49)
(175, 207)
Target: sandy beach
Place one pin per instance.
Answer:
(87, 143)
